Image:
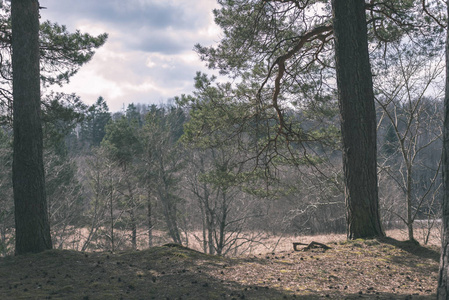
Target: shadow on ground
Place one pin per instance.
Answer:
(413, 248)
(167, 272)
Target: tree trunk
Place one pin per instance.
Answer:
(131, 213)
(150, 219)
(443, 280)
(31, 215)
(132, 217)
(204, 226)
(408, 197)
(170, 214)
(358, 118)
(111, 212)
(210, 220)
(223, 223)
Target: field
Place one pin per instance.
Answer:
(261, 242)
(361, 269)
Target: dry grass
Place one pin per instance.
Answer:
(284, 243)
(260, 243)
(420, 235)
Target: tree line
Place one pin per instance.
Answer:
(149, 175)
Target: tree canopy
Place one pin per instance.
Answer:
(61, 55)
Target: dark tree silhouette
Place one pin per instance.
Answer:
(358, 118)
(443, 281)
(31, 216)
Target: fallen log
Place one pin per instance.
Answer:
(309, 246)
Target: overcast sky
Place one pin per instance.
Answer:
(148, 57)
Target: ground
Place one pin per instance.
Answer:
(361, 269)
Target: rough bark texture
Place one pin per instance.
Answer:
(443, 280)
(31, 216)
(358, 118)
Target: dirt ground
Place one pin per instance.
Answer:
(361, 269)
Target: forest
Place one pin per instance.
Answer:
(267, 150)
(135, 179)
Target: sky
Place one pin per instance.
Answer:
(148, 57)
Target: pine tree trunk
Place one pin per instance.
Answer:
(358, 118)
(31, 216)
(443, 280)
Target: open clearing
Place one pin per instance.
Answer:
(361, 269)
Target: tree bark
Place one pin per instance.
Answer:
(111, 215)
(150, 219)
(443, 280)
(31, 216)
(358, 118)
(408, 197)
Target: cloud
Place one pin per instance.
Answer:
(135, 76)
(132, 15)
(148, 57)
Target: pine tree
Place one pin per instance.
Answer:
(32, 226)
(358, 118)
